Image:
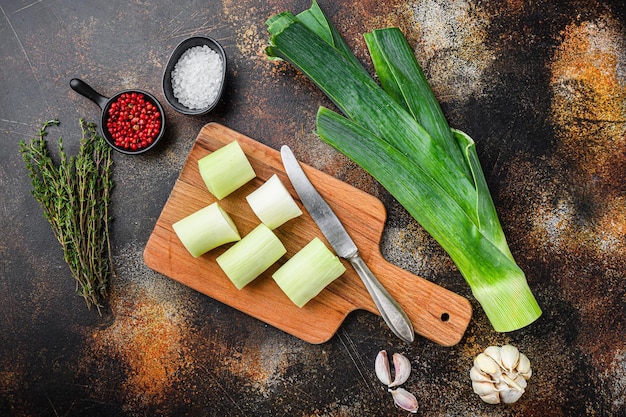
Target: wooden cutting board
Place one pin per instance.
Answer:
(436, 313)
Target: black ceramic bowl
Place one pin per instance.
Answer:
(104, 103)
(168, 91)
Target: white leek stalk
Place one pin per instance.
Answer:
(225, 170)
(273, 204)
(308, 272)
(206, 229)
(251, 256)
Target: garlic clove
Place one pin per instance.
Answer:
(381, 367)
(511, 384)
(528, 374)
(476, 375)
(404, 399)
(402, 369)
(509, 357)
(523, 367)
(501, 385)
(510, 396)
(486, 364)
(494, 353)
(521, 381)
(483, 388)
(493, 398)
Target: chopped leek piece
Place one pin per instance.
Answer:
(225, 170)
(206, 229)
(273, 204)
(397, 132)
(251, 256)
(308, 272)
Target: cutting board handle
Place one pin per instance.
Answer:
(436, 312)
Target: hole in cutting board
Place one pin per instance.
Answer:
(445, 317)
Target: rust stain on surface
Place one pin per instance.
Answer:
(450, 42)
(149, 346)
(589, 90)
(589, 93)
(147, 339)
(590, 118)
(261, 364)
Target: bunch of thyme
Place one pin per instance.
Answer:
(75, 195)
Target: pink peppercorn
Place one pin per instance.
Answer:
(133, 121)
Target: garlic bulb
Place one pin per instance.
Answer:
(499, 374)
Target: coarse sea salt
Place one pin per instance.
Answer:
(197, 76)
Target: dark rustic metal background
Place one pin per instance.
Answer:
(540, 86)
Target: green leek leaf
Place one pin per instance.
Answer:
(401, 76)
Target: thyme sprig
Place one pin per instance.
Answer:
(75, 195)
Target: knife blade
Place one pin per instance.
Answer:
(343, 245)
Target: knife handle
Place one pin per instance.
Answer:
(391, 312)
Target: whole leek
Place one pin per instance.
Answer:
(397, 132)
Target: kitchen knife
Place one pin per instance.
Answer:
(344, 246)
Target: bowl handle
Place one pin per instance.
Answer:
(86, 90)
